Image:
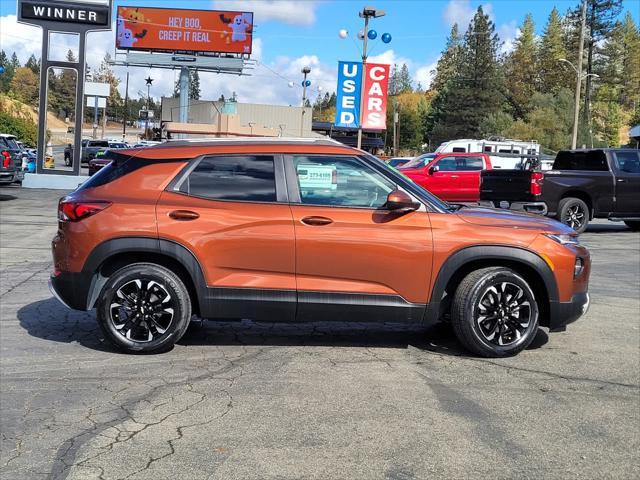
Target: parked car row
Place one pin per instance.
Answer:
(580, 185)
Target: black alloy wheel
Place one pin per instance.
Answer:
(494, 312)
(574, 213)
(144, 307)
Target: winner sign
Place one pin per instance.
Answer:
(350, 92)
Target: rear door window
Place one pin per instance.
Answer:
(243, 178)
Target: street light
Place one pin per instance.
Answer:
(305, 83)
(364, 35)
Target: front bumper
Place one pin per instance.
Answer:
(71, 289)
(564, 313)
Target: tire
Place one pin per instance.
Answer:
(633, 224)
(154, 287)
(574, 213)
(509, 335)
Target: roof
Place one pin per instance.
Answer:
(7, 135)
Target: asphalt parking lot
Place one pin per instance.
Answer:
(242, 400)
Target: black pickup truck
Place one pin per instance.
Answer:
(581, 186)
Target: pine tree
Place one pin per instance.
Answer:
(553, 74)
(105, 74)
(448, 61)
(394, 80)
(630, 63)
(6, 77)
(15, 63)
(601, 15)
(405, 84)
(521, 70)
(194, 85)
(33, 63)
(476, 90)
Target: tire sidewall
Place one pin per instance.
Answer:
(570, 202)
(494, 278)
(182, 307)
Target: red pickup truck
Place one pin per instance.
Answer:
(453, 177)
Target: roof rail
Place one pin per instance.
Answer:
(234, 140)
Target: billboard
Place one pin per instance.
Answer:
(348, 94)
(374, 106)
(171, 30)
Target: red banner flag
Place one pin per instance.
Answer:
(374, 104)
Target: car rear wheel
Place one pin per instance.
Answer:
(144, 308)
(494, 312)
(574, 213)
(633, 224)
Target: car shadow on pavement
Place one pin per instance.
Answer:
(49, 320)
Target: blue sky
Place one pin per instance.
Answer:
(290, 34)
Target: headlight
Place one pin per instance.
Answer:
(564, 239)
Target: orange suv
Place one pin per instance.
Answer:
(298, 230)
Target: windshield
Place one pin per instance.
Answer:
(420, 161)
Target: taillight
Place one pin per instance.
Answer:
(69, 211)
(536, 183)
(6, 159)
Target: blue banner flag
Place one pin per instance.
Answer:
(348, 94)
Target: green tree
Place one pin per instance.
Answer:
(405, 84)
(553, 74)
(24, 85)
(601, 15)
(630, 62)
(5, 78)
(394, 79)
(105, 74)
(477, 88)
(33, 64)
(521, 70)
(449, 60)
(194, 85)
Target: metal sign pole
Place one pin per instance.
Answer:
(184, 95)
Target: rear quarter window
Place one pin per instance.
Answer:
(594, 160)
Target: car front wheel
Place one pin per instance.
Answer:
(494, 312)
(144, 308)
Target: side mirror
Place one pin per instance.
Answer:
(399, 201)
(433, 169)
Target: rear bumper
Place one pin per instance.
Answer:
(564, 313)
(9, 176)
(71, 289)
(529, 207)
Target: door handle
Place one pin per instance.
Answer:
(183, 215)
(454, 176)
(316, 221)
(622, 180)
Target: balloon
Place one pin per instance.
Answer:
(306, 83)
(291, 84)
(372, 34)
(386, 37)
(343, 33)
(361, 35)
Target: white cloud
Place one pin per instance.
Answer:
(293, 12)
(508, 33)
(424, 75)
(461, 12)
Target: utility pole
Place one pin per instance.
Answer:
(576, 111)
(126, 108)
(364, 69)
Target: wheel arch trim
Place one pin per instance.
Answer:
(463, 257)
(157, 246)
